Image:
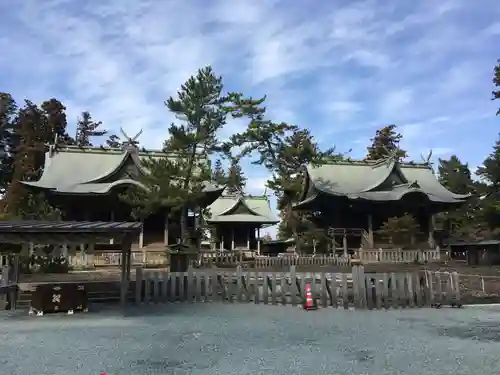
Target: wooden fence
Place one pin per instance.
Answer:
(113, 259)
(357, 289)
(398, 256)
(288, 261)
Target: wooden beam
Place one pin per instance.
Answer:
(59, 238)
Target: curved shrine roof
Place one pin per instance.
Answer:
(87, 170)
(238, 208)
(385, 180)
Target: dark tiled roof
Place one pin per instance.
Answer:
(38, 226)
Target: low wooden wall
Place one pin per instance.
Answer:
(158, 258)
(357, 289)
(113, 259)
(398, 255)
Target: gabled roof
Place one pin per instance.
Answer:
(40, 226)
(238, 208)
(88, 170)
(385, 180)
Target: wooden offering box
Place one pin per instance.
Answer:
(63, 297)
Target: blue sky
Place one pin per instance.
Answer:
(340, 68)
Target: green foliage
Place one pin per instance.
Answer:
(114, 141)
(283, 150)
(496, 83)
(490, 170)
(177, 181)
(236, 180)
(267, 237)
(9, 139)
(488, 215)
(219, 174)
(400, 230)
(86, 128)
(455, 175)
(386, 143)
(33, 129)
(460, 222)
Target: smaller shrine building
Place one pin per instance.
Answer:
(352, 199)
(235, 222)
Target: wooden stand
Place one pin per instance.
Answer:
(52, 298)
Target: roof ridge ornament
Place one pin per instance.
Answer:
(131, 142)
(414, 184)
(392, 156)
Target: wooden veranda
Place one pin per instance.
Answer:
(26, 232)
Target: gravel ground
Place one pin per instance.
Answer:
(248, 339)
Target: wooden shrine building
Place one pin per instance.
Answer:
(352, 199)
(235, 222)
(85, 183)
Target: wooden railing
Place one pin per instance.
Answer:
(335, 290)
(398, 256)
(287, 261)
(209, 259)
(113, 259)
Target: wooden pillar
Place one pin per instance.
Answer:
(141, 237)
(165, 230)
(344, 243)
(129, 263)
(14, 279)
(370, 231)
(125, 270)
(431, 227)
(112, 218)
(258, 241)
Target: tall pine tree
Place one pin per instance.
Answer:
(86, 128)
(283, 150)
(236, 180)
(460, 222)
(177, 182)
(496, 83)
(385, 143)
(9, 139)
(489, 172)
(219, 174)
(455, 175)
(114, 141)
(36, 127)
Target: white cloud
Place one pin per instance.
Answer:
(341, 69)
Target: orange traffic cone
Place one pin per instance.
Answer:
(309, 303)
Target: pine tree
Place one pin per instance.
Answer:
(489, 172)
(284, 150)
(236, 180)
(9, 139)
(455, 175)
(36, 127)
(177, 183)
(86, 128)
(385, 143)
(218, 174)
(496, 82)
(460, 222)
(114, 141)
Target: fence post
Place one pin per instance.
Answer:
(138, 285)
(456, 287)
